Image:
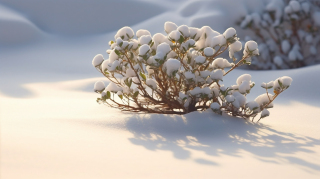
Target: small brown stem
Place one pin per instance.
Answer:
(235, 66)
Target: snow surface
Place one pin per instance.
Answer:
(52, 127)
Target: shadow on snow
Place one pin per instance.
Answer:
(216, 136)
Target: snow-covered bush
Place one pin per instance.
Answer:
(287, 32)
(180, 72)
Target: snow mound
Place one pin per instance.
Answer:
(16, 29)
(85, 17)
(218, 14)
(190, 9)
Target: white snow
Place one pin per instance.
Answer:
(184, 30)
(309, 38)
(195, 33)
(316, 17)
(113, 66)
(125, 90)
(189, 75)
(263, 100)
(251, 45)
(278, 60)
(175, 35)
(200, 59)
(217, 74)
(135, 80)
(305, 7)
(288, 10)
(256, 19)
(169, 27)
(229, 33)
(215, 91)
(223, 88)
(119, 41)
(195, 91)
(206, 90)
(151, 60)
(242, 78)
(207, 34)
(205, 74)
(105, 65)
(246, 21)
(313, 50)
(130, 73)
(152, 83)
(244, 83)
(112, 87)
(295, 5)
(172, 54)
(236, 46)
(236, 104)
(285, 81)
(253, 105)
(46, 50)
(190, 42)
(135, 43)
(119, 93)
(99, 86)
(144, 49)
(221, 63)
(97, 60)
(285, 45)
(230, 98)
(215, 106)
(240, 98)
(149, 70)
(182, 95)
(159, 38)
(275, 6)
(124, 33)
(145, 39)
(218, 40)
(125, 44)
(163, 48)
(244, 87)
(208, 51)
(270, 84)
(265, 113)
(292, 55)
(113, 56)
(172, 65)
(142, 32)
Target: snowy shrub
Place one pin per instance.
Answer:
(180, 72)
(287, 32)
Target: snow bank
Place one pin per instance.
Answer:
(85, 17)
(15, 28)
(211, 13)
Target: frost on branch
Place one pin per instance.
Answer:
(288, 33)
(181, 72)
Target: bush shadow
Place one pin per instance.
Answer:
(216, 136)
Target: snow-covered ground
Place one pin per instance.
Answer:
(52, 127)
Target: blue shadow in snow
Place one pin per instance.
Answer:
(216, 136)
